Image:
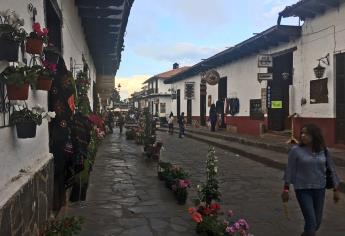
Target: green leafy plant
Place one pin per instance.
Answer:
(208, 191)
(16, 75)
(22, 114)
(11, 26)
(67, 226)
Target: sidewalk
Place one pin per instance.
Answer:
(269, 149)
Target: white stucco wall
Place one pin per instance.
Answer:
(74, 43)
(17, 154)
(320, 36)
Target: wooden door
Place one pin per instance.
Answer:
(178, 102)
(202, 110)
(340, 98)
(278, 111)
(189, 111)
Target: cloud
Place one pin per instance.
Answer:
(184, 53)
(130, 84)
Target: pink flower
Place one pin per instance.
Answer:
(196, 217)
(230, 213)
(243, 223)
(230, 230)
(237, 226)
(45, 31)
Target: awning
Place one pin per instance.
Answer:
(262, 41)
(104, 24)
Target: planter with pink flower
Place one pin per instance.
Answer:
(207, 214)
(175, 179)
(36, 39)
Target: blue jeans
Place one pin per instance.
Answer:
(311, 202)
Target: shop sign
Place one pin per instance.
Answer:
(212, 77)
(277, 104)
(265, 76)
(265, 60)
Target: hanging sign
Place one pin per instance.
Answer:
(265, 76)
(265, 60)
(277, 104)
(212, 77)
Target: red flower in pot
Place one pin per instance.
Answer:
(34, 43)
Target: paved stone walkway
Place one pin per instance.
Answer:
(126, 198)
(251, 189)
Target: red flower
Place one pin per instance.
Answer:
(36, 27)
(45, 31)
(196, 217)
(215, 206)
(191, 210)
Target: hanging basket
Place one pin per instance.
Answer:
(34, 46)
(26, 130)
(43, 83)
(15, 92)
(8, 50)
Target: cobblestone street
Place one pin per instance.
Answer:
(126, 198)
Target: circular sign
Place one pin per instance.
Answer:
(212, 77)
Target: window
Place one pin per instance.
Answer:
(162, 108)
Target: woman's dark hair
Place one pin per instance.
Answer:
(213, 109)
(318, 142)
(171, 114)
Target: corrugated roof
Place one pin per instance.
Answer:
(308, 8)
(268, 38)
(167, 74)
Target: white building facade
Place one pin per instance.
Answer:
(26, 165)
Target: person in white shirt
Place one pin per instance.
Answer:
(171, 123)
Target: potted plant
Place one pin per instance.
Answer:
(45, 75)
(34, 43)
(17, 80)
(26, 120)
(11, 35)
(180, 189)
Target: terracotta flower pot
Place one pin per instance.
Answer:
(8, 50)
(26, 130)
(43, 83)
(20, 92)
(34, 46)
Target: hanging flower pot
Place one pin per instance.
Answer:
(8, 50)
(17, 92)
(34, 46)
(26, 130)
(43, 83)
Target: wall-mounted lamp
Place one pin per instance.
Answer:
(319, 71)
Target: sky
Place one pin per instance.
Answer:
(162, 32)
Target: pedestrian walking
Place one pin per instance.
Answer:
(311, 170)
(213, 117)
(171, 123)
(121, 122)
(181, 125)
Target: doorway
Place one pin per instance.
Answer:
(222, 94)
(340, 98)
(178, 102)
(278, 111)
(202, 110)
(189, 111)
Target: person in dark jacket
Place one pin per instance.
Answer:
(181, 125)
(213, 117)
(306, 170)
